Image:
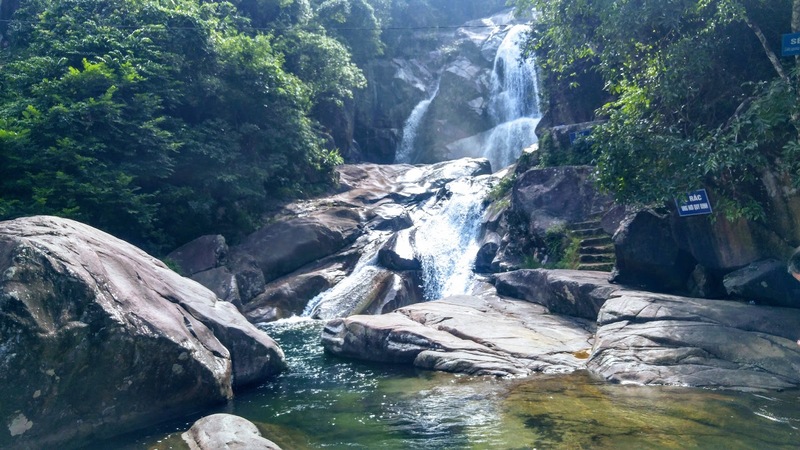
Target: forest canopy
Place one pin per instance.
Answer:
(161, 120)
(699, 95)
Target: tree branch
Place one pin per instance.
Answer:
(776, 63)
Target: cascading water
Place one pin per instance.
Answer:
(447, 240)
(514, 104)
(405, 154)
(350, 295)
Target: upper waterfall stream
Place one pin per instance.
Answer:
(514, 104)
(405, 154)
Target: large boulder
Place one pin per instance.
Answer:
(228, 432)
(647, 255)
(289, 295)
(107, 338)
(578, 293)
(369, 290)
(398, 252)
(484, 335)
(285, 246)
(768, 281)
(647, 338)
(202, 254)
(557, 195)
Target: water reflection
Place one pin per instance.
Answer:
(324, 402)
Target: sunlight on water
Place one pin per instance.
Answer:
(324, 402)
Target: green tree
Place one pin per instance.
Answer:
(699, 98)
(155, 120)
(353, 22)
(322, 63)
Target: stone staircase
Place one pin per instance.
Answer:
(597, 248)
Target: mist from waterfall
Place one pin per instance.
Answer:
(405, 154)
(446, 241)
(514, 104)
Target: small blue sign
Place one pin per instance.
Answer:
(695, 203)
(790, 44)
(578, 134)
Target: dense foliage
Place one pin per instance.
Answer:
(161, 120)
(699, 98)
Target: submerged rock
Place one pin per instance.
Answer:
(97, 337)
(226, 431)
(485, 335)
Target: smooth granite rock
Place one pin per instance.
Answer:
(485, 335)
(226, 432)
(97, 337)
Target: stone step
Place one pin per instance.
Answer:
(587, 224)
(589, 232)
(597, 241)
(600, 267)
(597, 258)
(597, 250)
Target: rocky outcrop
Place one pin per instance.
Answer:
(485, 335)
(767, 281)
(226, 431)
(647, 255)
(641, 337)
(557, 195)
(285, 246)
(310, 246)
(578, 293)
(540, 201)
(108, 338)
(203, 254)
(647, 338)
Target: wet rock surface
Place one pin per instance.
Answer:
(107, 338)
(310, 246)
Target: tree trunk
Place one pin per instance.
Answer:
(776, 63)
(796, 16)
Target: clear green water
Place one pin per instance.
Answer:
(324, 402)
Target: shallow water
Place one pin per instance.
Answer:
(331, 403)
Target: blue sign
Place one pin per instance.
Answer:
(695, 203)
(578, 134)
(790, 44)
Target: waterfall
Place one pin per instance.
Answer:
(350, 295)
(447, 240)
(514, 104)
(405, 154)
